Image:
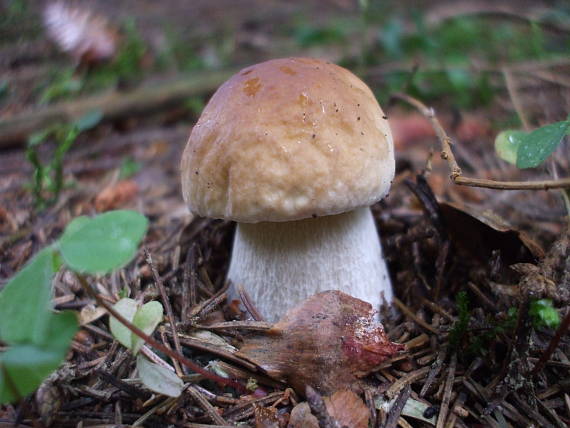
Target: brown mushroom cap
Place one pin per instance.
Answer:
(288, 139)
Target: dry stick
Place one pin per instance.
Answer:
(397, 407)
(168, 308)
(245, 299)
(447, 392)
(401, 306)
(206, 406)
(562, 329)
(148, 339)
(456, 174)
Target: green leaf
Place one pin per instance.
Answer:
(89, 120)
(146, 318)
(127, 308)
(103, 243)
(159, 379)
(536, 146)
(23, 367)
(507, 144)
(39, 137)
(544, 314)
(25, 301)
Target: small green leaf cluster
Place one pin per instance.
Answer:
(530, 149)
(37, 337)
(544, 314)
(47, 181)
(146, 317)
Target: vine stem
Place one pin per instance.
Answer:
(456, 174)
(155, 344)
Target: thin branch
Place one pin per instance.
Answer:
(168, 308)
(148, 339)
(456, 174)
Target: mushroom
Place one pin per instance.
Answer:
(294, 150)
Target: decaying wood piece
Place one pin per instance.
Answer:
(327, 342)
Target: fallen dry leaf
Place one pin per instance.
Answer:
(116, 195)
(348, 409)
(327, 342)
(301, 417)
(481, 232)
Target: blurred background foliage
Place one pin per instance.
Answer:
(448, 51)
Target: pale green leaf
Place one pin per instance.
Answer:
(507, 144)
(127, 308)
(146, 318)
(159, 379)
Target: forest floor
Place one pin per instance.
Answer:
(467, 263)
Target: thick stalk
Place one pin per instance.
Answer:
(282, 264)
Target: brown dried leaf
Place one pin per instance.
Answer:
(481, 232)
(327, 342)
(348, 409)
(116, 195)
(301, 417)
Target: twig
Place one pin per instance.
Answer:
(168, 308)
(237, 325)
(401, 306)
(148, 339)
(409, 378)
(244, 297)
(206, 406)
(455, 171)
(447, 392)
(397, 407)
(434, 370)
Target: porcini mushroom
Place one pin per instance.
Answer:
(295, 150)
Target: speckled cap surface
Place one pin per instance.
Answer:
(288, 139)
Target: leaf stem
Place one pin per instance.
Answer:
(456, 174)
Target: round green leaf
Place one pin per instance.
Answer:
(23, 367)
(127, 308)
(25, 301)
(159, 379)
(147, 318)
(507, 144)
(540, 143)
(103, 243)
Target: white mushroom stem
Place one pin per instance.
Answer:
(281, 264)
